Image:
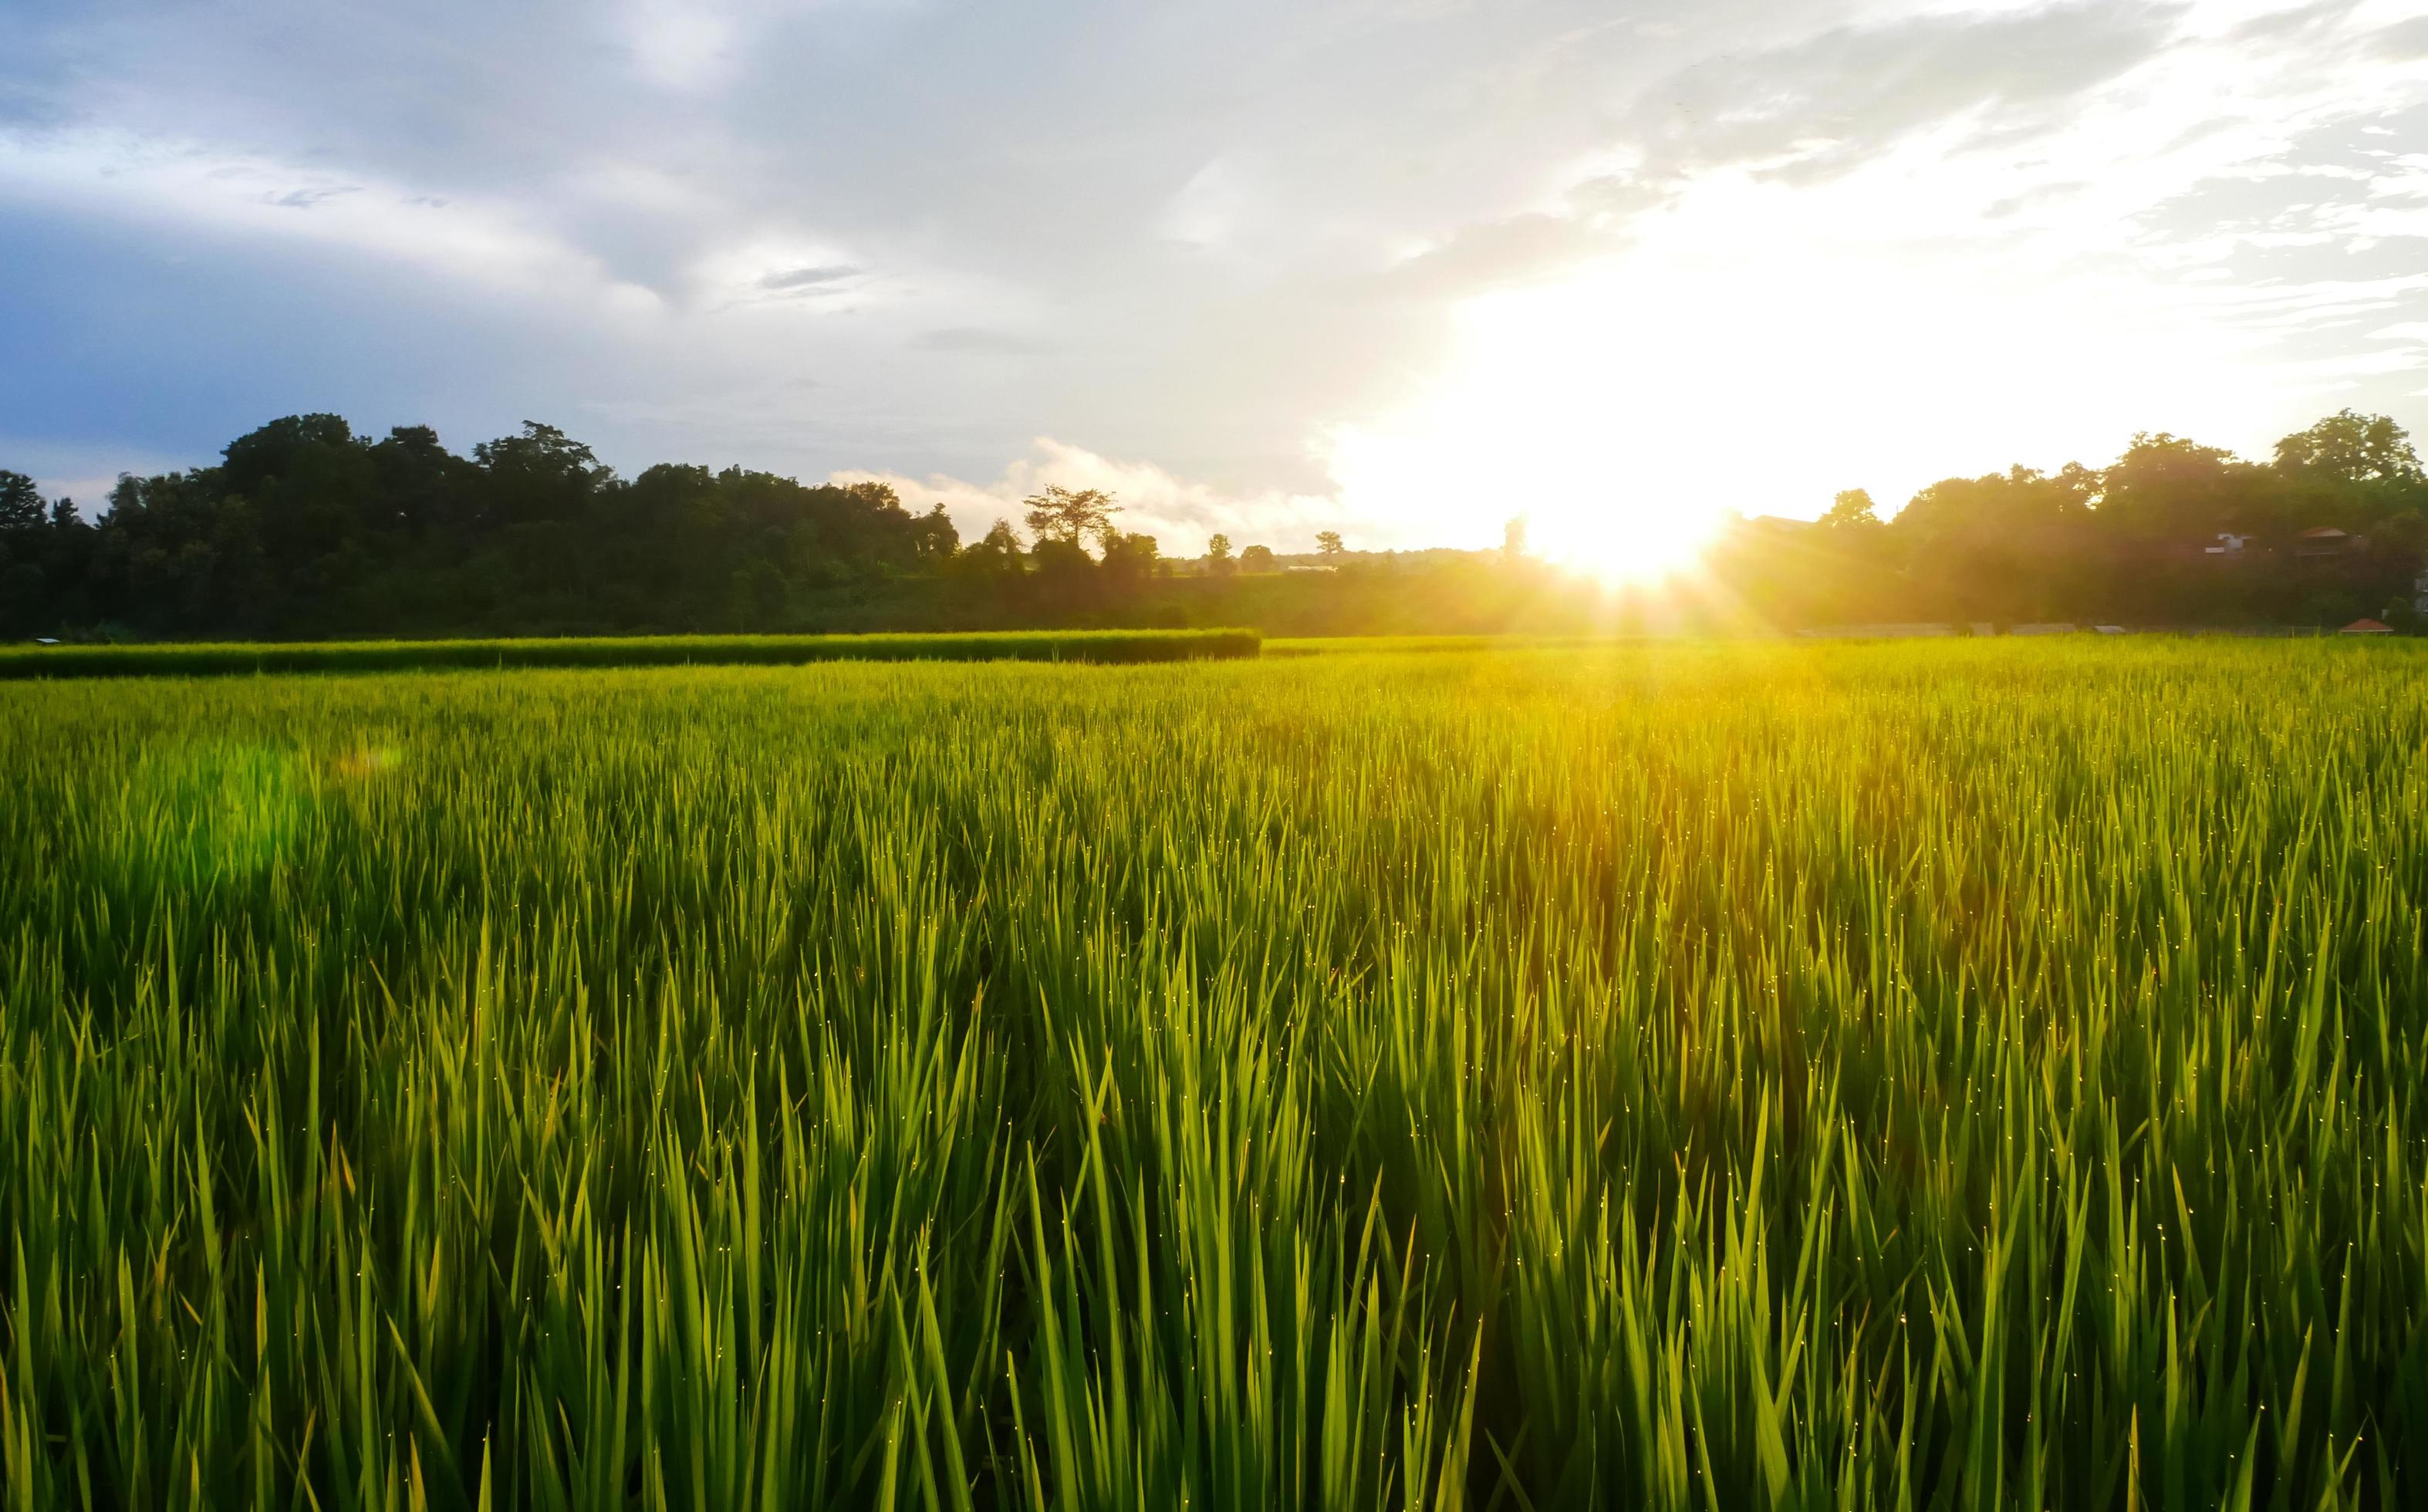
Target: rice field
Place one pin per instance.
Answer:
(1934, 1076)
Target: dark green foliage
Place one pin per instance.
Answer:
(307, 530)
(2127, 543)
(196, 660)
(21, 503)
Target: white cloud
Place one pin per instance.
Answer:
(1211, 210)
(682, 44)
(206, 187)
(1178, 514)
(789, 270)
(695, 46)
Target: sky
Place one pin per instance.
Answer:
(1264, 267)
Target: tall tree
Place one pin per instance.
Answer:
(934, 537)
(2348, 447)
(1851, 510)
(20, 502)
(1060, 514)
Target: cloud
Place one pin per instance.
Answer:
(783, 268)
(977, 341)
(1477, 258)
(2403, 41)
(695, 46)
(303, 198)
(1180, 515)
(790, 278)
(1212, 209)
(1214, 235)
(1816, 107)
(205, 189)
(682, 44)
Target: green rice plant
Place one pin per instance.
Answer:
(1949, 1074)
(204, 659)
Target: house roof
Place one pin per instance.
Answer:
(2318, 533)
(2366, 627)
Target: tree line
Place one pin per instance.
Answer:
(2328, 530)
(305, 528)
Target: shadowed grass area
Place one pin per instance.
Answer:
(204, 660)
(1959, 1075)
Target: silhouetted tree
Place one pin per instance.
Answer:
(1061, 515)
(20, 502)
(1851, 510)
(2350, 448)
(934, 539)
(25, 588)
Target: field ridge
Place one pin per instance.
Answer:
(237, 658)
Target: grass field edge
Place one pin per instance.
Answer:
(239, 659)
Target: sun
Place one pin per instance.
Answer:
(1625, 546)
(1738, 364)
(1456, 472)
(1546, 412)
